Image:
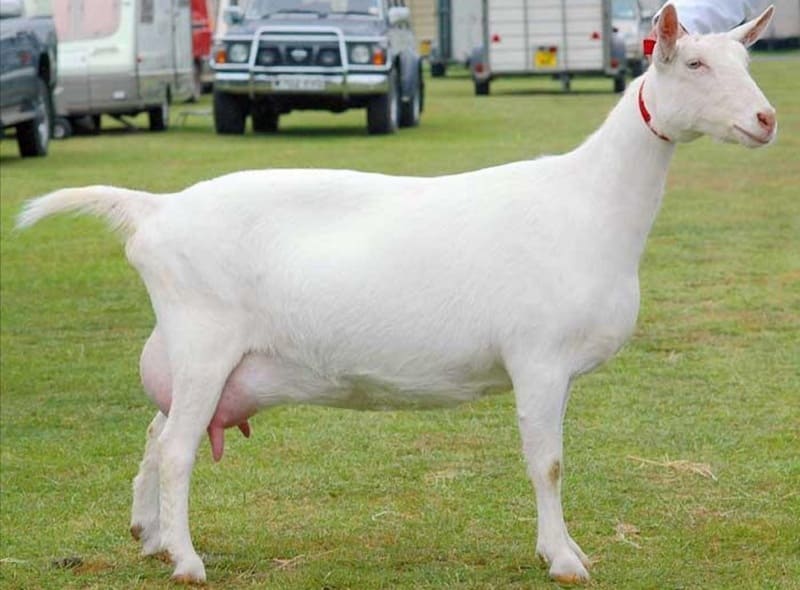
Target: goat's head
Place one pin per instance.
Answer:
(701, 85)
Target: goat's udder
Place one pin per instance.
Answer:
(216, 436)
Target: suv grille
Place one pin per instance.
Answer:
(324, 54)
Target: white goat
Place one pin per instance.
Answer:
(369, 291)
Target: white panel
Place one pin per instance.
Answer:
(574, 27)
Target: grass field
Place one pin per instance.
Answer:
(682, 454)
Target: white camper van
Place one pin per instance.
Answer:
(121, 57)
(559, 38)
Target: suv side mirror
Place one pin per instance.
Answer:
(234, 15)
(11, 8)
(399, 14)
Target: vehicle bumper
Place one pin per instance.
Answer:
(260, 84)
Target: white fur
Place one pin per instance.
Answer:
(371, 291)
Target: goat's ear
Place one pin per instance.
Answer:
(668, 29)
(751, 31)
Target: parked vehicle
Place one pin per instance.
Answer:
(632, 23)
(122, 59)
(557, 38)
(28, 50)
(460, 25)
(282, 55)
(201, 47)
(784, 30)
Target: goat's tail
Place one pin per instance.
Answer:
(123, 209)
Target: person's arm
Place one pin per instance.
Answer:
(715, 16)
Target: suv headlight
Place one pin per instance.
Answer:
(362, 54)
(238, 52)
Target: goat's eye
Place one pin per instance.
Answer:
(694, 64)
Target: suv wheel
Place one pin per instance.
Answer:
(33, 137)
(159, 116)
(265, 117)
(382, 111)
(410, 111)
(230, 113)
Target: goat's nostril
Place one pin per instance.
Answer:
(767, 120)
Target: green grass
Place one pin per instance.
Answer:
(323, 498)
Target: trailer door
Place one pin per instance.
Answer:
(543, 36)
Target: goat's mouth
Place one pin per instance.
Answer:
(753, 140)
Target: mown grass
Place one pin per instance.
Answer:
(323, 498)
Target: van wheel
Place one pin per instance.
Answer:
(230, 113)
(159, 116)
(33, 137)
(62, 128)
(382, 111)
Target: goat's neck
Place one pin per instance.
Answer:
(626, 165)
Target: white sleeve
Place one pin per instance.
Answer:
(715, 16)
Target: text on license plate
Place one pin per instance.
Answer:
(546, 57)
(299, 83)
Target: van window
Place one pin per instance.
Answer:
(85, 19)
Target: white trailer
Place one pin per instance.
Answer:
(558, 38)
(460, 32)
(121, 57)
(785, 27)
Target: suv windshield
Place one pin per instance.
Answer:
(264, 8)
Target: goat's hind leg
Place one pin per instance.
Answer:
(200, 364)
(541, 403)
(145, 510)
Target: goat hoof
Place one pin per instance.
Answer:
(190, 571)
(568, 571)
(587, 563)
(187, 580)
(569, 580)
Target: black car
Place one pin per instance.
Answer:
(282, 55)
(28, 48)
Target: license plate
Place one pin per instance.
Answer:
(546, 57)
(298, 83)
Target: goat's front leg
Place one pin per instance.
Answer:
(145, 510)
(200, 368)
(541, 397)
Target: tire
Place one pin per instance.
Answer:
(383, 110)
(438, 69)
(230, 113)
(482, 88)
(265, 117)
(410, 111)
(159, 116)
(62, 128)
(33, 137)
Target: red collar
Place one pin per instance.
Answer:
(646, 115)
